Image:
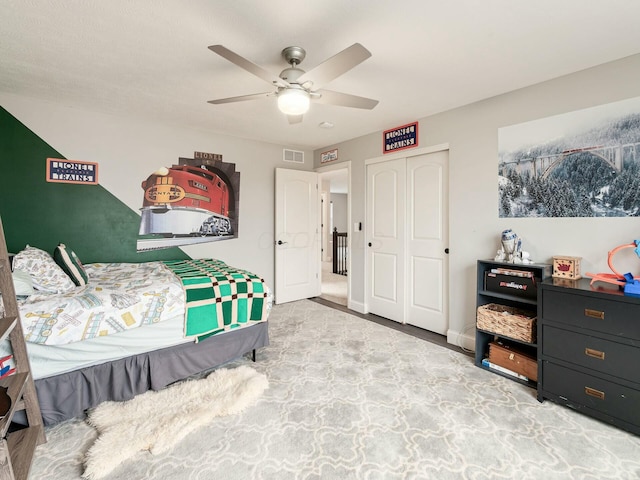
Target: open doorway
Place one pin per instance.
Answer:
(334, 232)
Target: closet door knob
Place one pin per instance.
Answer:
(369, 243)
(446, 250)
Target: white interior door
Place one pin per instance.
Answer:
(385, 238)
(297, 247)
(427, 241)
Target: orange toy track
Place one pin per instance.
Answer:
(616, 278)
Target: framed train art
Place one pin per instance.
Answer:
(193, 202)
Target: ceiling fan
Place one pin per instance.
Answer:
(295, 88)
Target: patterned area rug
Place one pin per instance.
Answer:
(350, 399)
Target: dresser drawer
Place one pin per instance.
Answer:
(604, 396)
(598, 314)
(595, 353)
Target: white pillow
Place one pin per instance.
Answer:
(22, 283)
(45, 273)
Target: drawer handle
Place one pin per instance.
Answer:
(594, 313)
(594, 353)
(594, 393)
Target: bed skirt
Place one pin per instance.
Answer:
(68, 395)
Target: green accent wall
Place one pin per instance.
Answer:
(87, 218)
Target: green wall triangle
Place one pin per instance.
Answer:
(87, 218)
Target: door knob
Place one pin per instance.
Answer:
(280, 242)
(369, 243)
(446, 250)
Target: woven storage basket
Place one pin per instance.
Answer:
(508, 321)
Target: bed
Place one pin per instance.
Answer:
(119, 329)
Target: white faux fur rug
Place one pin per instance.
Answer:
(156, 421)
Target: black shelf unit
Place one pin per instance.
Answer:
(540, 271)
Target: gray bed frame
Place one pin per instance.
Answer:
(68, 395)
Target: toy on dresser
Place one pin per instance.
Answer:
(566, 267)
(628, 282)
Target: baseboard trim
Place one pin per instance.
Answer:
(356, 306)
(464, 340)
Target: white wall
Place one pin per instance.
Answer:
(339, 201)
(128, 150)
(474, 226)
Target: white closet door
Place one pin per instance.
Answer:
(427, 240)
(386, 183)
(407, 240)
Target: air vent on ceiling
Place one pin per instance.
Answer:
(293, 156)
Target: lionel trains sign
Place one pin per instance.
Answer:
(60, 170)
(400, 138)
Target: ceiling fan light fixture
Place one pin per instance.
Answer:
(293, 101)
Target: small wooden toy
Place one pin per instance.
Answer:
(566, 267)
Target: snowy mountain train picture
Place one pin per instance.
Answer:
(579, 164)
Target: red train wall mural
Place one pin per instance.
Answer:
(193, 202)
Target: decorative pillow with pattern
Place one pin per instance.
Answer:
(71, 264)
(46, 275)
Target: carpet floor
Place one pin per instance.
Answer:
(334, 286)
(351, 399)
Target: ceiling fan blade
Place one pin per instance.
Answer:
(249, 66)
(241, 98)
(335, 66)
(330, 97)
(294, 119)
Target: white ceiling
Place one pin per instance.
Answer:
(149, 58)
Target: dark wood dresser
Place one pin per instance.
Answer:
(589, 350)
